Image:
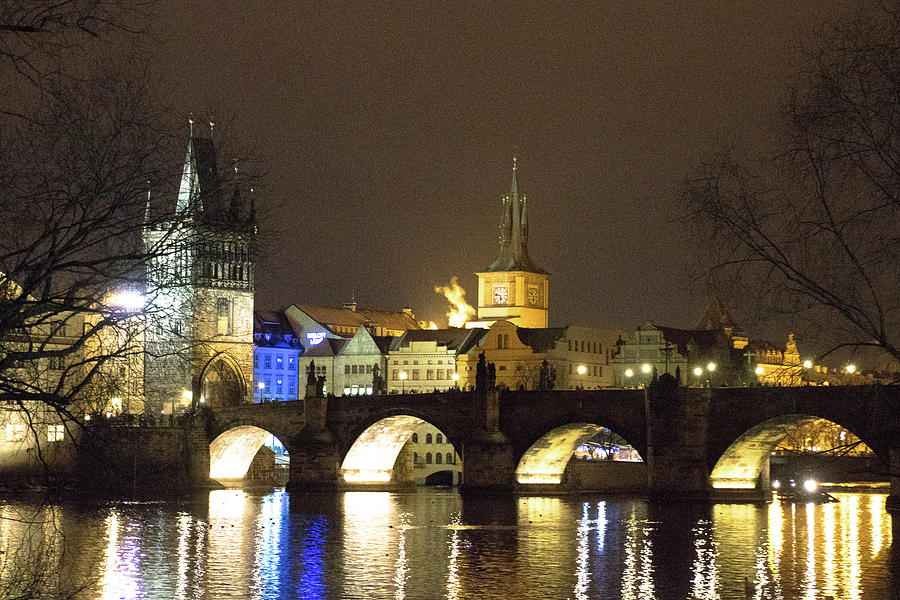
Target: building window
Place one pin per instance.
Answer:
(395, 374)
(292, 363)
(223, 316)
(292, 388)
(429, 374)
(438, 458)
(368, 369)
(415, 457)
(57, 363)
(415, 374)
(439, 438)
(346, 369)
(15, 432)
(415, 362)
(415, 438)
(354, 370)
(279, 362)
(428, 438)
(267, 361)
(449, 373)
(449, 458)
(56, 433)
(256, 360)
(428, 458)
(440, 373)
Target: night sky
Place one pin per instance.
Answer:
(387, 133)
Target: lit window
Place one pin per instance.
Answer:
(15, 432)
(279, 362)
(292, 363)
(55, 433)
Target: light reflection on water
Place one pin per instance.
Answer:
(235, 544)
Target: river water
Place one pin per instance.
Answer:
(437, 544)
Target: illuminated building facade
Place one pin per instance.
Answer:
(424, 360)
(776, 366)
(577, 356)
(275, 359)
(513, 288)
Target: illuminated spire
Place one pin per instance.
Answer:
(189, 180)
(514, 231)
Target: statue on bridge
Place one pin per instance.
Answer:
(481, 374)
(378, 383)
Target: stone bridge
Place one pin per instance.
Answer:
(697, 443)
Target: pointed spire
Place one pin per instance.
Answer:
(147, 208)
(189, 180)
(513, 254)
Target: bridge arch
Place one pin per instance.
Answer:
(374, 455)
(232, 452)
(744, 464)
(546, 459)
(222, 382)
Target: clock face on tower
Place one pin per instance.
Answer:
(532, 295)
(501, 296)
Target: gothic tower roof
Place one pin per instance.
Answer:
(513, 254)
(207, 194)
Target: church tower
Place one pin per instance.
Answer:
(199, 332)
(513, 288)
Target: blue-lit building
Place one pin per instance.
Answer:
(276, 358)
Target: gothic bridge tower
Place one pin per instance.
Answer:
(199, 333)
(513, 288)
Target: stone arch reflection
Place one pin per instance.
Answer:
(546, 460)
(745, 463)
(233, 452)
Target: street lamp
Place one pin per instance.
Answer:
(711, 367)
(629, 374)
(807, 365)
(698, 371)
(645, 369)
(851, 368)
(402, 382)
(581, 369)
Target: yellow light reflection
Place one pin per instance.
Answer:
(810, 551)
(850, 541)
(367, 476)
(582, 567)
(876, 515)
(705, 570)
(184, 522)
(402, 568)
(829, 529)
(453, 587)
(117, 576)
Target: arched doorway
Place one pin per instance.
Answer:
(583, 456)
(222, 383)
